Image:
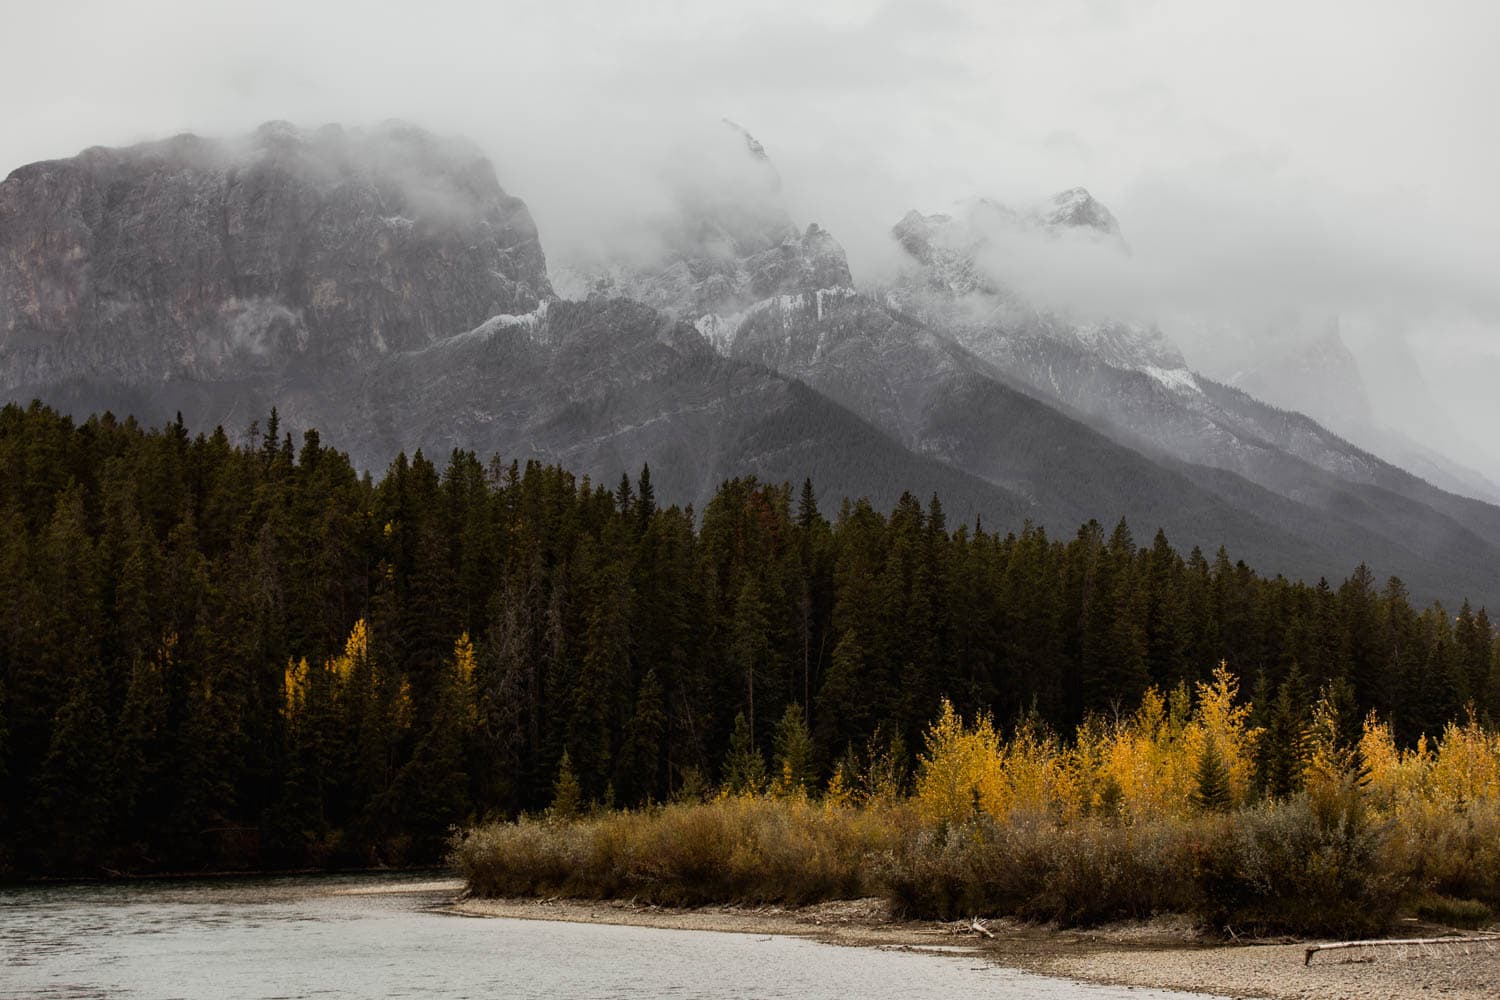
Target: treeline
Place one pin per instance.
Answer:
(219, 655)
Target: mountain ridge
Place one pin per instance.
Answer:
(403, 301)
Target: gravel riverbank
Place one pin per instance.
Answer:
(1163, 954)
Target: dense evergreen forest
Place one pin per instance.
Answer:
(216, 655)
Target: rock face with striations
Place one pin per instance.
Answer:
(200, 259)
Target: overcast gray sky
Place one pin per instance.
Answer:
(1339, 158)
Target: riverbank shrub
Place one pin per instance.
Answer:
(736, 848)
(1309, 865)
(1085, 872)
(1126, 820)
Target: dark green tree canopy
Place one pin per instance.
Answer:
(217, 655)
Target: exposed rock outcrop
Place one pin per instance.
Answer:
(198, 258)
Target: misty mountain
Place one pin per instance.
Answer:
(282, 253)
(1303, 365)
(1074, 417)
(1315, 374)
(381, 287)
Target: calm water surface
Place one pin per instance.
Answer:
(357, 936)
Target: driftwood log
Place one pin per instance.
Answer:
(1313, 949)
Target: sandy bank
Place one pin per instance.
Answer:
(1163, 954)
(1277, 971)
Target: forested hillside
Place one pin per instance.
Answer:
(215, 655)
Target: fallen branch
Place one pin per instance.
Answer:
(1396, 943)
(979, 928)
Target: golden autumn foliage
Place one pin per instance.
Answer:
(1117, 822)
(298, 679)
(1144, 761)
(1146, 766)
(463, 676)
(296, 685)
(1459, 769)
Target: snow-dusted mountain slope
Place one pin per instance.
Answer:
(384, 289)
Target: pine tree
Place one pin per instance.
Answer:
(567, 796)
(844, 711)
(807, 506)
(744, 767)
(1211, 778)
(1473, 635)
(638, 772)
(749, 646)
(508, 699)
(645, 505)
(1113, 643)
(599, 700)
(1281, 752)
(432, 788)
(794, 753)
(1492, 688)
(624, 496)
(1109, 805)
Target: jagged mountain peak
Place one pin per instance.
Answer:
(727, 246)
(1076, 208)
(977, 221)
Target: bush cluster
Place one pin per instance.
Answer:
(746, 849)
(1160, 812)
(1320, 863)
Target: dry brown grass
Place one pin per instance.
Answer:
(732, 849)
(1319, 864)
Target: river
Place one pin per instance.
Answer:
(370, 936)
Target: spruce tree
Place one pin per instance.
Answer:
(432, 788)
(794, 752)
(807, 506)
(1491, 702)
(645, 505)
(638, 771)
(567, 796)
(624, 496)
(1109, 804)
(744, 767)
(1281, 753)
(749, 645)
(1212, 792)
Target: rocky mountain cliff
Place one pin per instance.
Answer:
(382, 287)
(285, 252)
